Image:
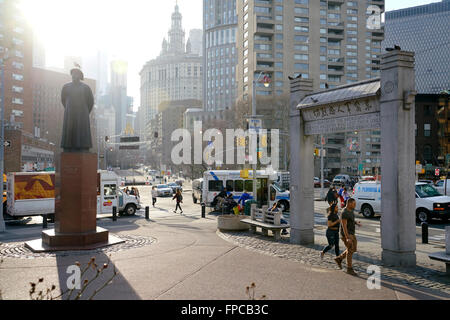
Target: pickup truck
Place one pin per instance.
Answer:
(33, 194)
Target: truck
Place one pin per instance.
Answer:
(33, 194)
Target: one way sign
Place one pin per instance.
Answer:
(7, 143)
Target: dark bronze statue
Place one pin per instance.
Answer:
(78, 102)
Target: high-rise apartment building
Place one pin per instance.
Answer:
(333, 42)
(16, 47)
(220, 24)
(424, 30)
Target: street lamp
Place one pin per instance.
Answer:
(266, 81)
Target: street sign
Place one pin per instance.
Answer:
(361, 167)
(436, 172)
(255, 124)
(7, 144)
(102, 156)
(419, 168)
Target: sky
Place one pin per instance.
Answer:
(131, 30)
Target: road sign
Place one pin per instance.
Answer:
(361, 167)
(419, 168)
(255, 124)
(7, 144)
(436, 172)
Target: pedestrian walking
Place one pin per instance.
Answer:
(179, 198)
(341, 196)
(348, 226)
(346, 196)
(154, 196)
(331, 196)
(332, 233)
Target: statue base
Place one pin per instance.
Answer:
(52, 241)
(76, 184)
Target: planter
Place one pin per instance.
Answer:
(232, 223)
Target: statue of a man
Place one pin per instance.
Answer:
(78, 101)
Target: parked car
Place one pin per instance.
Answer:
(164, 190)
(175, 187)
(317, 184)
(429, 202)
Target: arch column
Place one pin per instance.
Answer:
(301, 168)
(398, 203)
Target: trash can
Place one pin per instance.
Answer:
(248, 207)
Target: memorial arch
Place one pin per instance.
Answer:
(387, 104)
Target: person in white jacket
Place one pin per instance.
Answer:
(154, 195)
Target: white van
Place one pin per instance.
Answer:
(443, 186)
(429, 202)
(270, 189)
(342, 179)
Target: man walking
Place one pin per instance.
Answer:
(348, 224)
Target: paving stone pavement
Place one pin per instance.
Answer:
(19, 251)
(422, 276)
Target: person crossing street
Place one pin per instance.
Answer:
(179, 198)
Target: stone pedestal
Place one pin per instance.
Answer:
(75, 208)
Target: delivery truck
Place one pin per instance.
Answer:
(33, 194)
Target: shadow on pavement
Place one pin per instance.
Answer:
(118, 289)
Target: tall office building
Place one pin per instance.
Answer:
(219, 53)
(332, 42)
(196, 41)
(118, 92)
(424, 30)
(176, 74)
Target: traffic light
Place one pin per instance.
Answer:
(241, 141)
(106, 139)
(316, 152)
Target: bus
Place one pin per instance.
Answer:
(271, 189)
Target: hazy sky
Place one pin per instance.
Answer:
(132, 30)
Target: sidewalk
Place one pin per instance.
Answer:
(184, 257)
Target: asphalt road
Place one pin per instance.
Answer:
(369, 232)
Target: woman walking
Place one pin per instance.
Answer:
(154, 195)
(179, 199)
(332, 231)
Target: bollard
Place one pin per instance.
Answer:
(203, 210)
(147, 213)
(44, 221)
(114, 213)
(424, 232)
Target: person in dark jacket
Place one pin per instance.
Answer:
(179, 199)
(331, 196)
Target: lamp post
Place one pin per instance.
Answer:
(266, 81)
